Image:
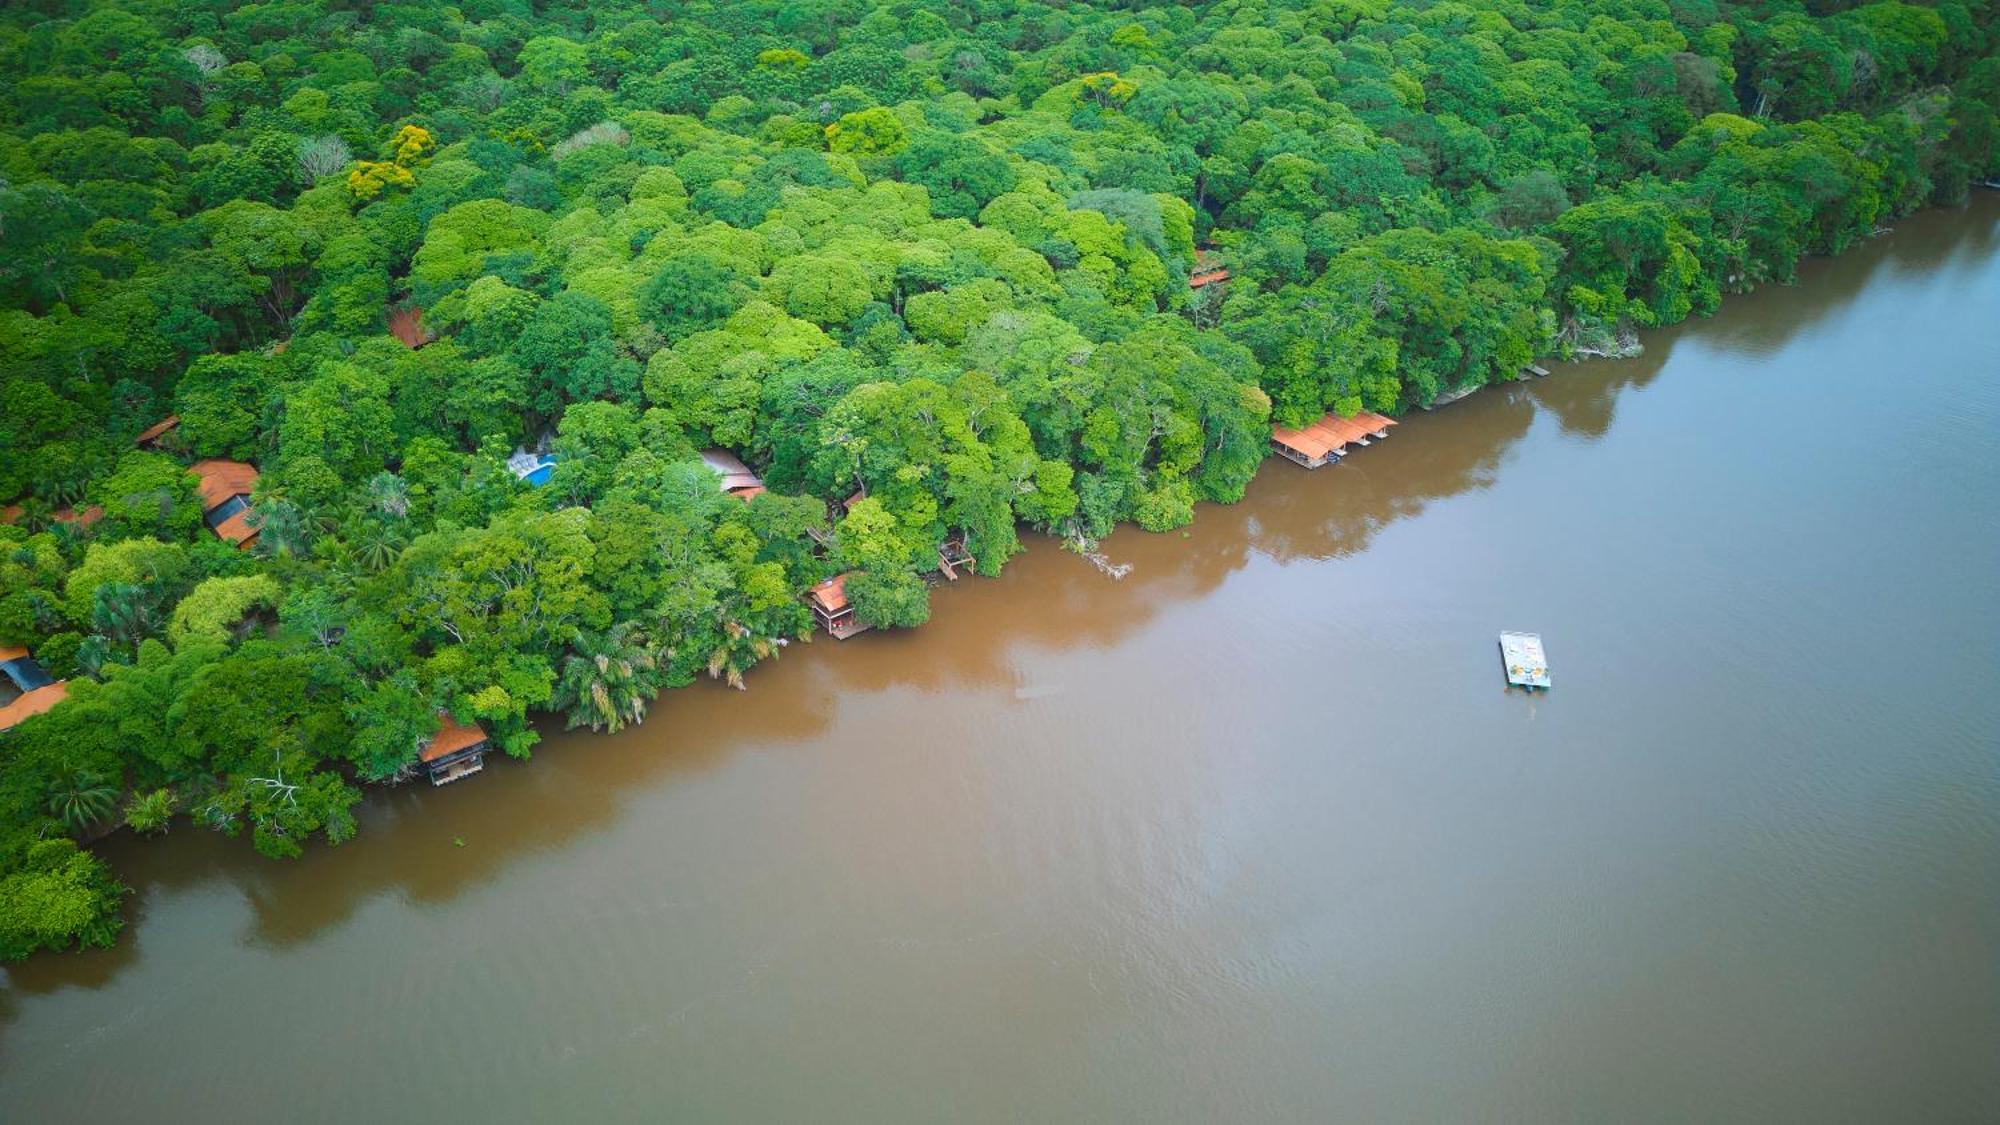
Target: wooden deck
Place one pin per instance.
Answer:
(1521, 653)
(465, 767)
(844, 627)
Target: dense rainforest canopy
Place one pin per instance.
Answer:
(923, 265)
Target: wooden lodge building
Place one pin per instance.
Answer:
(832, 610)
(26, 688)
(224, 487)
(457, 750)
(1326, 440)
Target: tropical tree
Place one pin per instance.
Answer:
(608, 678)
(80, 798)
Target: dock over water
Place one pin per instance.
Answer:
(1526, 665)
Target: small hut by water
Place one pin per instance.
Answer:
(457, 750)
(953, 554)
(832, 610)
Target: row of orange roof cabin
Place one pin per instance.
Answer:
(1326, 440)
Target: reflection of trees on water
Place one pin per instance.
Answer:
(1048, 599)
(1764, 322)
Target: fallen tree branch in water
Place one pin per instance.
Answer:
(1088, 549)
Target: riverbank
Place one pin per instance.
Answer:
(1252, 833)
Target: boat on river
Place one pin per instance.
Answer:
(1526, 665)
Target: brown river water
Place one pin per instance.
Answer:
(1255, 834)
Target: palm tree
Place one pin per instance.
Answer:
(282, 529)
(92, 655)
(389, 493)
(123, 612)
(609, 678)
(150, 812)
(80, 798)
(377, 545)
(740, 649)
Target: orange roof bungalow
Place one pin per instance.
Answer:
(1326, 440)
(150, 436)
(832, 610)
(458, 749)
(224, 488)
(26, 688)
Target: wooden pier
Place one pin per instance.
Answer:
(1521, 653)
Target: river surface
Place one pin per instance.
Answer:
(1255, 834)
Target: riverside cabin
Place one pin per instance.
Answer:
(458, 749)
(953, 554)
(224, 488)
(1326, 440)
(26, 688)
(832, 610)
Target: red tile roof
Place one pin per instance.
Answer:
(33, 703)
(222, 479)
(452, 737)
(11, 652)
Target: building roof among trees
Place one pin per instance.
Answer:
(831, 595)
(157, 430)
(33, 703)
(236, 529)
(734, 473)
(452, 737)
(220, 479)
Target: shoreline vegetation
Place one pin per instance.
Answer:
(283, 287)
